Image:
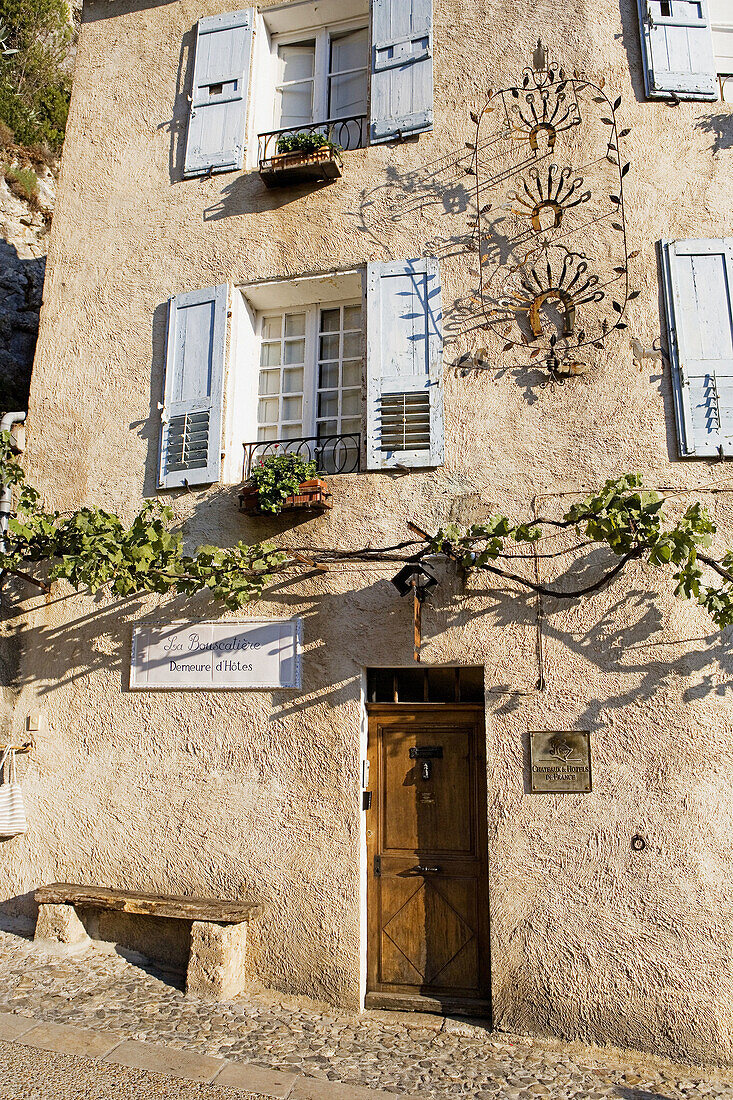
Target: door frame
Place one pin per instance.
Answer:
(413, 1002)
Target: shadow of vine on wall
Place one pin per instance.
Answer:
(720, 126)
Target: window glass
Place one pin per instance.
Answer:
(339, 373)
(282, 363)
(294, 91)
(721, 17)
(347, 82)
(311, 364)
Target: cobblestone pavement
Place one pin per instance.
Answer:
(437, 1058)
(27, 1074)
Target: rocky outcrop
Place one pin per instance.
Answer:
(24, 230)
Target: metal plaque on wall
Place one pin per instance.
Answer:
(560, 761)
(216, 656)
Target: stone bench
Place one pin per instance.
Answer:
(218, 929)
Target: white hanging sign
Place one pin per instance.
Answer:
(216, 656)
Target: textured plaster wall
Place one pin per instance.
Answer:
(257, 794)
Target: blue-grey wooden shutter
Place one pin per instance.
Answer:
(217, 123)
(402, 68)
(698, 285)
(190, 443)
(677, 49)
(404, 364)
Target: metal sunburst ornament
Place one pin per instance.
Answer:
(552, 240)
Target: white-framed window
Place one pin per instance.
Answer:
(310, 372)
(320, 77)
(367, 65)
(343, 367)
(721, 18)
(311, 369)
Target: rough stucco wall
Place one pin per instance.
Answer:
(257, 794)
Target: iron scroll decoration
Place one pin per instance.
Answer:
(551, 237)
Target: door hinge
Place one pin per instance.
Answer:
(377, 866)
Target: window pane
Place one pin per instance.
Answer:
(270, 356)
(326, 428)
(350, 402)
(352, 345)
(380, 685)
(296, 106)
(330, 320)
(348, 95)
(295, 324)
(264, 434)
(293, 381)
(410, 685)
(294, 351)
(328, 403)
(330, 346)
(351, 427)
(297, 62)
(270, 381)
(328, 375)
(352, 373)
(442, 685)
(292, 431)
(272, 328)
(472, 685)
(292, 408)
(352, 317)
(349, 51)
(267, 413)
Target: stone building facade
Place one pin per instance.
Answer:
(189, 309)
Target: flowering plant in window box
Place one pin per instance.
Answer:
(282, 483)
(300, 157)
(308, 142)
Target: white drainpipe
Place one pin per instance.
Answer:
(6, 495)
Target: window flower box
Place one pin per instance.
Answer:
(312, 496)
(300, 166)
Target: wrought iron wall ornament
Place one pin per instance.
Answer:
(551, 237)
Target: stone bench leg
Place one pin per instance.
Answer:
(216, 963)
(59, 924)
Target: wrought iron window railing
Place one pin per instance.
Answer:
(333, 454)
(348, 133)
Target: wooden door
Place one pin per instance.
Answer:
(427, 900)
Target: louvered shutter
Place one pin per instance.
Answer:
(190, 445)
(402, 68)
(216, 126)
(404, 364)
(698, 278)
(677, 49)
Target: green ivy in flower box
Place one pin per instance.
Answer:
(276, 477)
(306, 142)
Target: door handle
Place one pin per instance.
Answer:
(426, 870)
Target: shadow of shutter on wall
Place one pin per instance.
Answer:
(404, 365)
(402, 68)
(216, 126)
(677, 49)
(190, 446)
(698, 278)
